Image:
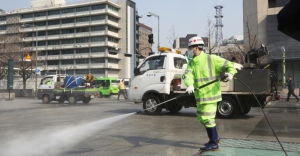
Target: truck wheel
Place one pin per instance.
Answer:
(151, 102)
(226, 108)
(72, 99)
(46, 99)
(86, 100)
(246, 109)
(174, 107)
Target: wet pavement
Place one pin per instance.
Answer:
(163, 135)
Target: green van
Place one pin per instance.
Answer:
(107, 86)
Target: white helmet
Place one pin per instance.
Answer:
(195, 41)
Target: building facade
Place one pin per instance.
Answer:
(261, 17)
(144, 46)
(75, 38)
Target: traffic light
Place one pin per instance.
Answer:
(127, 55)
(150, 38)
(112, 52)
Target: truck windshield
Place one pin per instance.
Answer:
(153, 63)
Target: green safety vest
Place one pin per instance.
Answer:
(203, 69)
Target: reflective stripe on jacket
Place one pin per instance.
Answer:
(203, 69)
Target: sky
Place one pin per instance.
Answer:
(185, 16)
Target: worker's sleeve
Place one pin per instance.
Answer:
(189, 75)
(223, 65)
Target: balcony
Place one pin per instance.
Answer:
(42, 58)
(67, 15)
(82, 66)
(112, 44)
(82, 23)
(52, 47)
(98, 43)
(112, 34)
(84, 34)
(82, 55)
(53, 37)
(52, 57)
(2, 22)
(83, 13)
(99, 54)
(98, 11)
(97, 22)
(66, 46)
(111, 65)
(62, 36)
(97, 33)
(2, 31)
(113, 13)
(53, 27)
(112, 23)
(50, 17)
(97, 65)
(52, 67)
(67, 56)
(23, 20)
(42, 18)
(67, 25)
(28, 29)
(40, 48)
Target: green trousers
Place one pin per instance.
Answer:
(206, 114)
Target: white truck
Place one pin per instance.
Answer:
(53, 88)
(160, 78)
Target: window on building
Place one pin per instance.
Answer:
(3, 27)
(98, 71)
(42, 53)
(70, 72)
(40, 14)
(67, 31)
(85, 8)
(3, 18)
(54, 22)
(82, 61)
(82, 50)
(82, 29)
(98, 28)
(64, 62)
(98, 49)
(98, 39)
(82, 40)
(30, 15)
(112, 39)
(277, 3)
(53, 52)
(53, 32)
(112, 8)
(41, 33)
(114, 19)
(98, 7)
(98, 17)
(82, 71)
(83, 19)
(40, 24)
(66, 21)
(67, 51)
(67, 41)
(41, 43)
(67, 11)
(53, 42)
(113, 61)
(53, 12)
(113, 29)
(53, 62)
(97, 60)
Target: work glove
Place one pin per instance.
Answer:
(238, 66)
(190, 89)
(227, 77)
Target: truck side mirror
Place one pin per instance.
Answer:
(136, 71)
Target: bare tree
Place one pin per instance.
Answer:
(210, 35)
(172, 36)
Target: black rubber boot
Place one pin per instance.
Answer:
(212, 145)
(219, 140)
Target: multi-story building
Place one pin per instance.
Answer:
(261, 16)
(144, 46)
(75, 38)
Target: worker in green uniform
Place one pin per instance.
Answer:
(203, 68)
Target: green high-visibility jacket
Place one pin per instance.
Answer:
(203, 69)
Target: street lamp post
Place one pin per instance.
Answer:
(283, 64)
(152, 14)
(36, 45)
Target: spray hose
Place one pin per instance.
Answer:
(223, 78)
